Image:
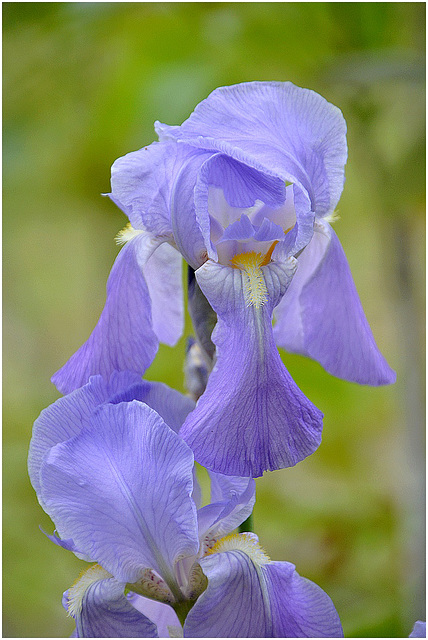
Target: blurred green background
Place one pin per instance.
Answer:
(83, 84)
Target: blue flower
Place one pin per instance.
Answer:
(119, 484)
(245, 190)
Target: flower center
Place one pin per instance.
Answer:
(250, 262)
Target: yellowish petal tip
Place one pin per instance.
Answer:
(246, 542)
(77, 591)
(127, 233)
(332, 217)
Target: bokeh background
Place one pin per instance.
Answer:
(83, 84)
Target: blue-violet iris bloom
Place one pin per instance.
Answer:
(119, 484)
(245, 190)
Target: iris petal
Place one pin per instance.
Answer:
(321, 315)
(299, 607)
(282, 604)
(241, 185)
(162, 272)
(232, 501)
(141, 183)
(106, 613)
(234, 605)
(161, 614)
(276, 127)
(121, 490)
(66, 417)
(123, 338)
(252, 416)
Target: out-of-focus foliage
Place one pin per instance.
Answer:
(82, 85)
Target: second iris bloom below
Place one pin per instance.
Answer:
(120, 485)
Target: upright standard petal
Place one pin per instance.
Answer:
(252, 416)
(98, 605)
(232, 501)
(162, 273)
(123, 338)
(292, 133)
(282, 604)
(321, 316)
(121, 490)
(142, 183)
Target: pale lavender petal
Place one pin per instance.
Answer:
(64, 544)
(172, 406)
(106, 613)
(299, 607)
(225, 487)
(233, 606)
(102, 390)
(161, 614)
(142, 183)
(278, 128)
(297, 238)
(419, 630)
(162, 272)
(252, 416)
(241, 186)
(282, 604)
(123, 338)
(121, 490)
(66, 417)
(242, 229)
(232, 501)
(321, 315)
(185, 225)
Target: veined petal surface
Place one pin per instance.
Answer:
(121, 490)
(299, 607)
(291, 132)
(321, 316)
(142, 182)
(123, 338)
(105, 612)
(245, 599)
(66, 417)
(234, 605)
(252, 416)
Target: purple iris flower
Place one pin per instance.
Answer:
(245, 190)
(119, 484)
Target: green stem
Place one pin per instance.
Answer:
(182, 608)
(247, 526)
